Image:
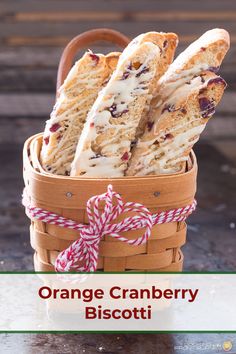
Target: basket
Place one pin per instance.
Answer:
(68, 196)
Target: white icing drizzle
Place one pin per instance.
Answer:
(116, 98)
(170, 150)
(167, 87)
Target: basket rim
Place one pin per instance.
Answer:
(50, 177)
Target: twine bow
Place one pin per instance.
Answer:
(82, 255)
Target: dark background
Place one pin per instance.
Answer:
(32, 36)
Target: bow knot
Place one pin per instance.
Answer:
(84, 252)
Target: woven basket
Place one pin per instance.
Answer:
(67, 196)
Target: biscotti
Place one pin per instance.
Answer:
(168, 140)
(76, 96)
(206, 53)
(104, 146)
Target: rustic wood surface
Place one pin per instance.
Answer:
(32, 35)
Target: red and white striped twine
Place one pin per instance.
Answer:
(82, 255)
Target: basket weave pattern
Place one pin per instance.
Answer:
(68, 196)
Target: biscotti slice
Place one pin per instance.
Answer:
(104, 146)
(167, 43)
(206, 53)
(76, 96)
(177, 126)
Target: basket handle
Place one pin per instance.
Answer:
(83, 40)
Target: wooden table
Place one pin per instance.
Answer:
(32, 34)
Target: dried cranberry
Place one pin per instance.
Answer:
(55, 127)
(207, 107)
(214, 69)
(91, 124)
(127, 73)
(46, 140)
(204, 103)
(125, 156)
(165, 43)
(113, 108)
(168, 136)
(94, 57)
(114, 113)
(203, 49)
(217, 80)
(143, 71)
(168, 108)
(150, 125)
(59, 137)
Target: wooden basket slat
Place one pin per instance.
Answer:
(47, 241)
(175, 254)
(172, 267)
(114, 264)
(177, 240)
(149, 261)
(119, 249)
(41, 266)
(176, 266)
(44, 255)
(61, 233)
(107, 247)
